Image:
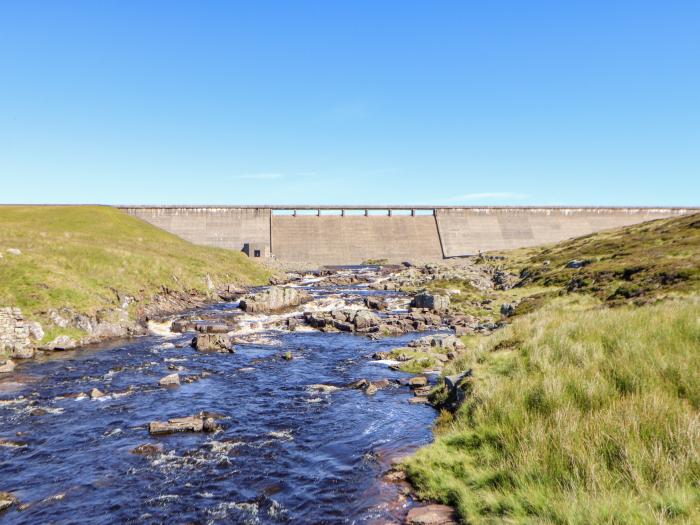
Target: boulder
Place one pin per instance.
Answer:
(365, 319)
(62, 342)
(273, 299)
(170, 380)
(418, 381)
(96, 393)
(14, 251)
(375, 303)
(431, 515)
(508, 309)
(343, 326)
(436, 302)
(181, 326)
(198, 423)
(213, 343)
(6, 366)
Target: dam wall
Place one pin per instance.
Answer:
(339, 235)
(466, 231)
(222, 227)
(353, 239)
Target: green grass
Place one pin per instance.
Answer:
(577, 414)
(84, 257)
(585, 409)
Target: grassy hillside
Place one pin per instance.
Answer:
(81, 256)
(638, 262)
(586, 408)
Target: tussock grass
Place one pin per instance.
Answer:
(83, 256)
(578, 414)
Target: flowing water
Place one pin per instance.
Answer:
(286, 454)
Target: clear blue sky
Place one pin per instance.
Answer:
(465, 102)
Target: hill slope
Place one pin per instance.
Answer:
(586, 408)
(82, 256)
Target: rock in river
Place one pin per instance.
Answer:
(213, 343)
(170, 380)
(6, 366)
(273, 299)
(196, 423)
(148, 449)
(7, 500)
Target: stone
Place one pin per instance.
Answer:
(274, 298)
(419, 400)
(14, 334)
(576, 263)
(36, 332)
(431, 515)
(287, 356)
(371, 389)
(292, 323)
(178, 424)
(380, 356)
(436, 302)
(343, 326)
(508, 309)
(181, 326)
(96, 393)
(213, 328)
(7, 366)
(365, 319)
(14, 251)
(213, 343)
(324, 388)
(148, 449)
(7, 500)
(62, 342)
(375, 303)
(418, 381)
(170, 380)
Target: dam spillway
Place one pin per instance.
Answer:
(353, 234)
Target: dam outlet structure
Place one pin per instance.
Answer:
(329, 235)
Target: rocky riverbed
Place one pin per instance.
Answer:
(286, 404)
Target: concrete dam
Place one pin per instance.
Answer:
(353, 234)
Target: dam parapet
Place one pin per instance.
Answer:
(353, 234)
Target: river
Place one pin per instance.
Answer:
(287, 453)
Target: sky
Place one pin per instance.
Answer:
(350, 102)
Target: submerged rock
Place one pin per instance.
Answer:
(148, 449)
(7, 500)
